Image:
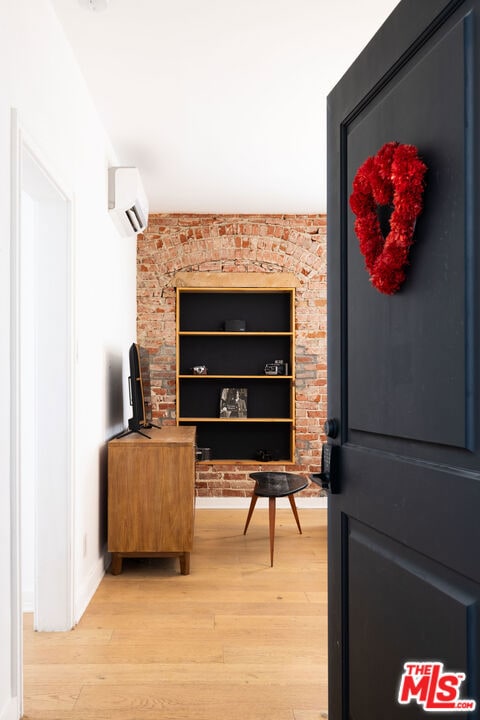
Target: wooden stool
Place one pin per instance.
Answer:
(273, 485)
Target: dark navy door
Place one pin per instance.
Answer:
(404, 372)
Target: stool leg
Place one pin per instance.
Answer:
(271, 522)
(253, 502)
(294, 510)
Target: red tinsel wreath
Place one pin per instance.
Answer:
(394, 176)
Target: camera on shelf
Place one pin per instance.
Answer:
(278, 367)
(268, 455)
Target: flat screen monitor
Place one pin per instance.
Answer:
(136, 389)
(139, 390)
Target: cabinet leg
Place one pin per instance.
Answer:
(185, 563)
(116, 566)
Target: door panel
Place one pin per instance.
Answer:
(394, 379)
(404, 574)
(387, 576)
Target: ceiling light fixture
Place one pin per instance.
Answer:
(95, 5)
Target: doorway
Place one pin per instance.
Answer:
(42, 396)
(45, 389)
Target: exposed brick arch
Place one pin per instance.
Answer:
(237, 243)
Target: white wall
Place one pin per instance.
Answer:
(39, 77)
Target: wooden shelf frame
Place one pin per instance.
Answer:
(234, 420)
(237, 333)
(285, 291)
(232, 377)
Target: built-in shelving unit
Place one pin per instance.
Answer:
(266, 302)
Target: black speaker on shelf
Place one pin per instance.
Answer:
(235, 325)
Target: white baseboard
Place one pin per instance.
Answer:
(11, 710)
(90, 585)
(241, 503)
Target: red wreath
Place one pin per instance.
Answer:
(394, 176)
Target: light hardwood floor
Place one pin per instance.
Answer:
(234, 640)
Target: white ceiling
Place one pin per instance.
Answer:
(220, 103)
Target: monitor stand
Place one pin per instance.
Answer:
(134, 427)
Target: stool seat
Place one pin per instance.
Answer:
(277, 484)
(273, 485)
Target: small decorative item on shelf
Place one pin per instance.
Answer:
(235, 325)
(203, 453)
(233, 403)
(199, 369)
(278, 367)
(268, 455)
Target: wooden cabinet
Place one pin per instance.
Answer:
(237, 359)
(151, 495)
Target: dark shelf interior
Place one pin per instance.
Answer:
(200, 397)
(232, 355)
(245, 441)
(262, 311)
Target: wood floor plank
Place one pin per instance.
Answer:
(220, 711)
(81, 636)
(169, 651)
(273, 655)
(195, 609)
(235, 640)
(206, 701)
(263, 623)
(38, 676)
(153, 622)
(226, 635)
(203, 594)
(48, 696)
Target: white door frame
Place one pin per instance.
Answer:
(55, 505)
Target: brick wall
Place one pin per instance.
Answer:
(237, 243)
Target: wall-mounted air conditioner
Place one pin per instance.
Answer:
(127, 202)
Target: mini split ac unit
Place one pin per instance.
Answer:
(127, 202)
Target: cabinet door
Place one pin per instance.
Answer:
(151, 496)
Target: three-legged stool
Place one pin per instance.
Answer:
(273, 485)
